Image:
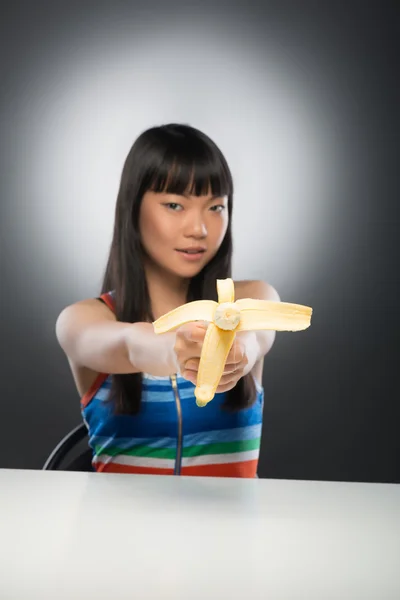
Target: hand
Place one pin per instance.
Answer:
(188, 346)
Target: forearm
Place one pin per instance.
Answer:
(117, 347)
(107, 346)
(152, 353)
(257, 345)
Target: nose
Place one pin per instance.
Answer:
(195, 226)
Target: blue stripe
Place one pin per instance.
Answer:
(163, 387)
(188, 394)
(212, 417)
(236, 434)
(155, 420)
(158, 387)
(126, 443)
(103, 395)
(154, 394)
(112, 427)
(107, 383)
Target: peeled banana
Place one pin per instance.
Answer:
(225, 318)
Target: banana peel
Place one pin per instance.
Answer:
(226, 318)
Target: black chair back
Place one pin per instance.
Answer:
(58, 458)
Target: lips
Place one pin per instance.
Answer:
(193, 254)
(197, 250)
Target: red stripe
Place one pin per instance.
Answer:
(86, 398)
(114, 468)
(247, 469)
(109, 300)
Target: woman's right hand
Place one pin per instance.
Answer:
(188, 344)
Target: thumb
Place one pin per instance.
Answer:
(186, 331)
(194, 331)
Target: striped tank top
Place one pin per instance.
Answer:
(171, 435)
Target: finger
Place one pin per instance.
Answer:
(192, 364)
(236, 354)
(222, 388)
(233, 367)
(185, 332)
(198, 333)
(193, 332)
(190, 376)
(229, 379)
(235, 370)
(232, 370)
(225, 384)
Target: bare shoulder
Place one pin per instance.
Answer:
(91, 307)
(257, 289)
(76, 315)
(70, 324)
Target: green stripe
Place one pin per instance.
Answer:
(144, 451)
(170, 453)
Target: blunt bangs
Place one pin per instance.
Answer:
(190, 166)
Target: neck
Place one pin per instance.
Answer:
(166, 291)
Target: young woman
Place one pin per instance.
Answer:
(172, 240)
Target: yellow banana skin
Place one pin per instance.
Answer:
(256, 315)
(199, 310)
(225, 318)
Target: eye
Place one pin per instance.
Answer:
(173, 206)
(217, 208)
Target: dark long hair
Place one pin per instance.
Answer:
(171, 158)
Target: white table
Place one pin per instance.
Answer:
(86, 535)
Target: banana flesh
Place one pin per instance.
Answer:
(216, 346)
(225, 318)
(225, 290)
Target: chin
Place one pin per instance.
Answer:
(188, 271)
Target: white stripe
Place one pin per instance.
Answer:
(103, 394)
(167, 463)
(160, 396)
(219, 459)
(165, 378)
(136, 461)
(154, 377)
(259, 387)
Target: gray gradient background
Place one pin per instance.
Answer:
(303, 104)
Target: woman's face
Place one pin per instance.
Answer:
(181, 234)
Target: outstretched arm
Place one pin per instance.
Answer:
(257, 344)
